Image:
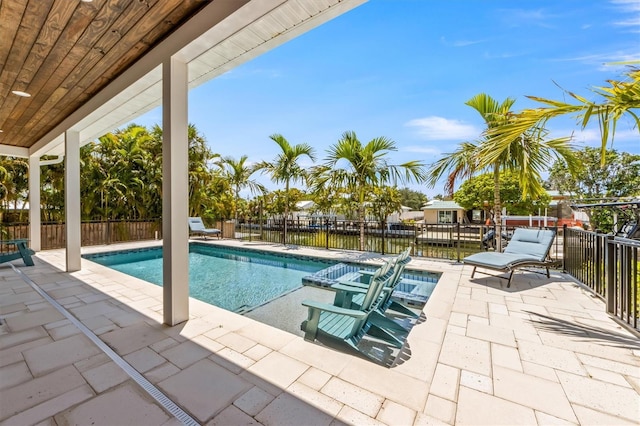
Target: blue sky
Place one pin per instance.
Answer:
(405, 68)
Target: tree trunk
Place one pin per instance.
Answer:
(235, 216)
(361, 220)
(497, 217)
(286, 211)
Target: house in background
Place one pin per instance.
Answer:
(437, 211)
(303, 209)
(399, 216)
(408, 214)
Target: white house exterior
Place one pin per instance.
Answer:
(437, 211)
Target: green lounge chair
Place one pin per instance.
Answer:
(196, 227)
(527, 248)
(350, 294)
(343, 328)
(21, 251)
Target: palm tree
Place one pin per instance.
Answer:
(238, 172)
(622, 98)
(285, 168)
(526, 154)
(358, 168)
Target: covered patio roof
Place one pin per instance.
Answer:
(91, 66)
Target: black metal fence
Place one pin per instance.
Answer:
(610, 267)
(440, 241)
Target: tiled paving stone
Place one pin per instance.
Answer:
(562, 337)
(286, 410)
(133, 338)
(253, 401)
(204, 388)
(123, 405)
(46, 358)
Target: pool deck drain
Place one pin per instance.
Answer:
(148, 387)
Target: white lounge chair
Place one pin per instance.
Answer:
(527, 248)
(196, 227)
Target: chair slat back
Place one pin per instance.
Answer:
(196, 224)
(379, 279)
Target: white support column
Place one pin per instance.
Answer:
(72, 198)
(175, 190)
(34, 202)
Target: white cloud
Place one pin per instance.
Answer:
(592, 137)
(525, 17)
(422, 150)
(461, 43)
(631, 9)
(440, 128)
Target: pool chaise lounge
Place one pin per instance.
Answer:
(196, 227)
(21, 252)
(527, 248)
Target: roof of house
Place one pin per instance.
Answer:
(442, 205)
(305, 204)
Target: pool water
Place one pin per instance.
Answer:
(235, 280)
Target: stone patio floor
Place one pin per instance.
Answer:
(541, 352)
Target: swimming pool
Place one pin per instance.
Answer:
(236, 280)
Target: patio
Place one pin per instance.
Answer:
(542, 352)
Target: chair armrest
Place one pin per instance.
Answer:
(354, 313)
(350, 287)
(14, 241)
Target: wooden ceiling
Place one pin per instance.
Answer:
(63, 52)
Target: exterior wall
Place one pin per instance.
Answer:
(431, 215)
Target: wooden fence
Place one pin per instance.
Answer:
(92, 232)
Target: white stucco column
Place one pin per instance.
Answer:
(34, 202)
(72, 198)
(175, 192)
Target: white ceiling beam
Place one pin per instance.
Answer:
(14, 151)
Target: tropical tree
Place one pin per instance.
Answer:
(238, 172)
(52, 191)
(621, 99)
(413, 199)
(4, 174)
(286, 168)
(618, 177)
(204, 185)
(358, 167)
(277, 202)
(13, 183)
(475, 191)
(326, 200)
(385, 200)
(527, 154)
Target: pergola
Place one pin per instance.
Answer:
(73, 70)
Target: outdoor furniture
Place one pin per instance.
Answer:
(343, 328)
(196, 227)
(21, 251)
(527, 248)
(351, 294)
